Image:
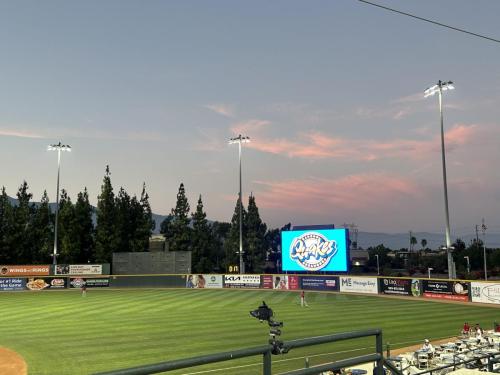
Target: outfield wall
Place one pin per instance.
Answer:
(450, 290)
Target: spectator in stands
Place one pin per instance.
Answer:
(478, 331)
(427, 347)
(466, 329)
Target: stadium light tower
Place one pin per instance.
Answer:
(58, 147)
(239, 140)
(439, 88)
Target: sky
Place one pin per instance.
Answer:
(329, 92)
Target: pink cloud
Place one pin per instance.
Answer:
(355, 192)
(315, 145)
(19, 133)
(221, 109)
(250, 127)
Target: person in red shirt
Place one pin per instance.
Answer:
(466, 329)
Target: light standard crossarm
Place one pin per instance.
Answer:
(57, 147)
(439, 88)
(239, 140)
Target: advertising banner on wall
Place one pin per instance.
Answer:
(400, 287)
(204, 281)
(285, 282)
(241, 281)
(319, 250)
(78, 269)
(450, 290)
(320, 283)
(24, 270)
(41, 283)
(267, 282)
(99, 282)
(358, 285)
(485, 292)
(11, 284)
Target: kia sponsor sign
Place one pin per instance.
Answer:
(449, 290)
(399, 287)
(24, 270)
(78, 269)
(204, 281)
(320, 283)
(241, 281)
(11, 284)
(358, 285)
(485, 292)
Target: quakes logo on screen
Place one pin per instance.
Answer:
(312, 250)
(315, 250)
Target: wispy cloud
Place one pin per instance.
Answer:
(221, 109)
(20, 133)
(363, 192)
(315, 145)
(249, 127)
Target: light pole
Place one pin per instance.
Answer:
(429, 271)
(468, 264)
(439, 88)
(378, 266)
(239, 140)
(58, 147)
(483, 228)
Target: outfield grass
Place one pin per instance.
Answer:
(65, 333)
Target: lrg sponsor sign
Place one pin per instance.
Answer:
(24, 270)
(358, 285)
(241, 281)
(399, 287)
(485, 292)
(454, 291)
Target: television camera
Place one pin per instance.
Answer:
(265, 313)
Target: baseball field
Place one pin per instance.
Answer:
(62, 332)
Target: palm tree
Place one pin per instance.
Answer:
(423, 242)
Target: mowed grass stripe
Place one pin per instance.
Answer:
(65, 333)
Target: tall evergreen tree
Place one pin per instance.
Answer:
(220, 231)
(106, 235)
(6, 222)
(232, 242)
(145, 223)
(124, 221)
(202, 242)
(66, 232)
(180, 232)
(20, 239)
(84, 228)
(43, 232)
(256, 231)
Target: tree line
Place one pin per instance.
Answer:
(124, 223)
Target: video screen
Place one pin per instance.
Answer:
(323, 250)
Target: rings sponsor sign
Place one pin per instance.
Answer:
(485, 292)
(24, 270)
(204, 281)
(320, 283)
(358, 285)
(10, 284)
(450, 290)
(241, 281)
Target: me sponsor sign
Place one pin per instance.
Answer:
(450, 290)
(399, 287)
(485, 292)
(11, 284)
(24, 270)
(241, 281)
(320, 283)
(98, 282)
(78, 269)
(204, 281)
(358, 285)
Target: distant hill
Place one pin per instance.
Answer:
(394, 241)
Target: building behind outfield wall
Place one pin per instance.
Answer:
(156, 261)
